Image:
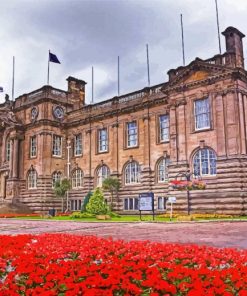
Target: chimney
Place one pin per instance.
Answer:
(234, 44)
(76, 89)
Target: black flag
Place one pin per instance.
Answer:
(53, 58)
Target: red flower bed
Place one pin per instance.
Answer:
(14, 215)
(62, 264)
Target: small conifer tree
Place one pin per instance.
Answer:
(97, 204)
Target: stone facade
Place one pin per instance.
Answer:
(40, 130)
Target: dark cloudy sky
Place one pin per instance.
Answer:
(84, 33)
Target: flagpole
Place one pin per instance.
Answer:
(218, 26)
(92, 84)
(13, 79)
(118, 75)
(148, 65)
(182, 31)
(48, 72)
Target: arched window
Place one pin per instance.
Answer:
(77, 178)
(102, 173)
(132, 173)
(162, 170)
(56, 176)
(32, 179)
(204, 162)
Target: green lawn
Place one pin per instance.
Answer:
(130, 218)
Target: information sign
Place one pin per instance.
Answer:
(172, 199)
(146, 202)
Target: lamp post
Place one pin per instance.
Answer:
(68, 171)
(187, 175)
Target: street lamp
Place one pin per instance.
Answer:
(187, 175)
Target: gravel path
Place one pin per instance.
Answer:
(219, 234)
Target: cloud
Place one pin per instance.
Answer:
(93, 33)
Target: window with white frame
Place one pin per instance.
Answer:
(164, 128)
(32, 179)
(132, 173)
(131, 204)
(56, 176)
(161, 203)
(131, 134)
(204, 162)
(102, 173)
(78, 145)
(202, 114)
(33, 146)
(102, 140)
(57, 146)
(8, 150)
(77, 178)
(162, 170)
(75, 204)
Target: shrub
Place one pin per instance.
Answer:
(97, 204)
(85, 202)
(79, 215)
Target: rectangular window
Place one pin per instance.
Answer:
(161, 203)
(57, 146)
(102, 140)
(131, 134)
(164, 128)
(33, 146)
(78, 145)
(131, 204)
(126, 204)
(202, 114)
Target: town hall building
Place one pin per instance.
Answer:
(196, 122)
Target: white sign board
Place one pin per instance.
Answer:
(172, 199)
(146, 202)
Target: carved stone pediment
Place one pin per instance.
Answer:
(195, 72)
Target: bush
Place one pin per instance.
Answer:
(97, 204)
(114, 215)
(79, 215)
(85, 202)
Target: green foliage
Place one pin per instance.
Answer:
(85, 202)
(61, 187)
(112, 185)
(97, 204)
(79, 215)
(114, 215)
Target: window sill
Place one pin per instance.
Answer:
(202, 130)
(102, 152)
(57, 156)
(77, 155)
(132, 147)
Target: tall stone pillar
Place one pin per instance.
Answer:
(11, 160)
(181, 125)
(114, 148)
(15, 157)
(173, 135)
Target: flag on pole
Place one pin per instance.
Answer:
(53, 58)
(1, 89)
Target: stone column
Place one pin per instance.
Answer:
(220, 125)
(11, 159)
(15, 157)
(114, 148)
(181, 125)
(173, 135)
(242, 124)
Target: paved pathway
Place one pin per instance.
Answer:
(220, 234)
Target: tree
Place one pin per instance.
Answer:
(112, 185)
(97, 204)
(60, 189)
(86, 200)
